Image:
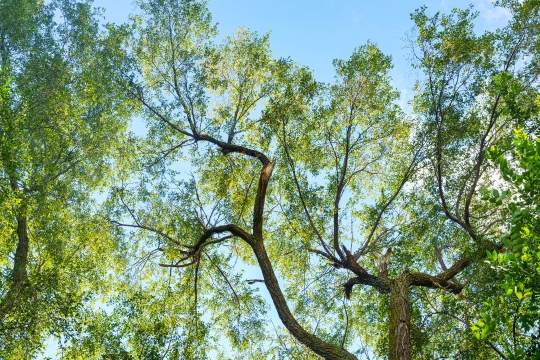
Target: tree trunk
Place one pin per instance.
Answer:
(325, 350)
(19, 274)
(400, 319)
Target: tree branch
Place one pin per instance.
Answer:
(441, 281)
(258, 208)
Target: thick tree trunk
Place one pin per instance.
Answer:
(400, 319)
(19, 275)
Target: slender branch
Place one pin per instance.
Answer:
(326, 255)
(139, 96)
(167, 152)
(197, 136)
(339, 192)
(491, 345)
(514, 323)
(478, 166)
(226, 279)
(406, 176)
(148, 228)
(323, 243)
(346, 325)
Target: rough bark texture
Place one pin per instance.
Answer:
(258, 209)
(442, 280)
(400, 319)
(381, 284)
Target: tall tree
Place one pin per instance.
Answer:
(517, 311)
(60, 121)
(475, 90)
(329, 188)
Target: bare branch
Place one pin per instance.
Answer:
(253, 281)
(226, 279)
(148, 228)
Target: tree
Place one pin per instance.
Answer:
(60, 120)
(475, 91)
(306, 180)
(518, 310)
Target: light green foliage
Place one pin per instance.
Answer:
(237, 92)
(351, 169)
(473, 90)
(155, 275)
(517, 307)
(60, 120)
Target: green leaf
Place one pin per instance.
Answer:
(509, 292)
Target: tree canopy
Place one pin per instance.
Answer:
(377, 231)
(60, 121)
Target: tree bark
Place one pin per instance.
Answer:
(400, 319)
(20, 274)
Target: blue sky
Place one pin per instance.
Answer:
(315, 32)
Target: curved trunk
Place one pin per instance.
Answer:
(326, 350)
(399, 342)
